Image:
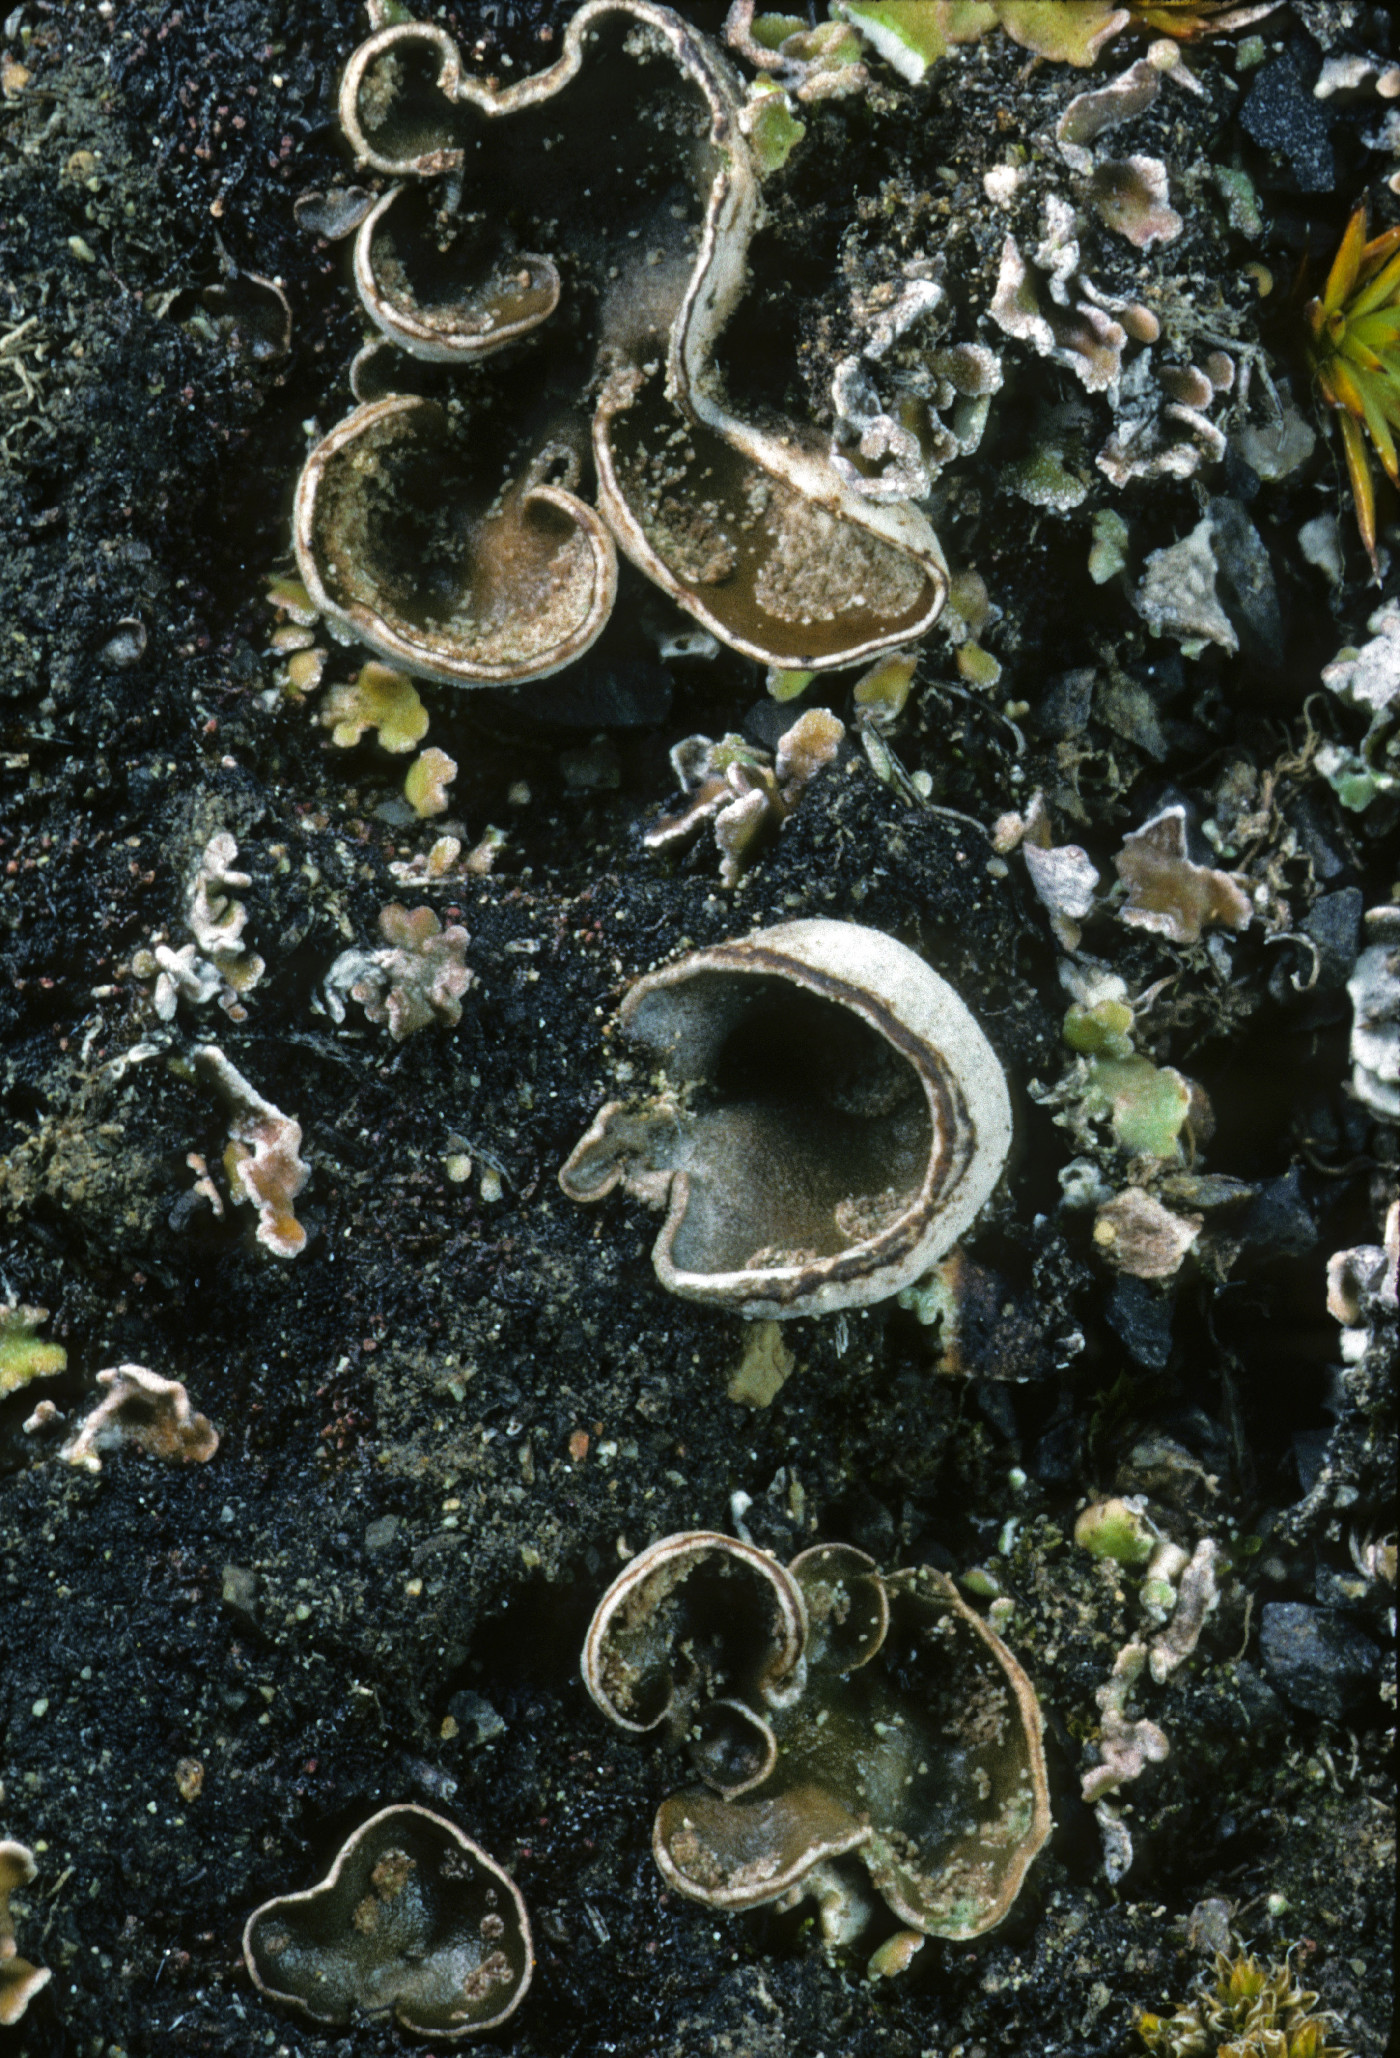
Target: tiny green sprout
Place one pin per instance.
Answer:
(1115, 1529)
(22, 1356)
(788, 685)
(1103, 1030)
(912, 35)
(882, 693)
(428, 778)
(980, 1581)
(1108, 553)
(1148, 1104)
(774, 132)
(290, 597)
(978, 666)
(1352, 776)
(1043, 479)
(378, 698)
(1353, 350)
(773, 30)
(895, 1955)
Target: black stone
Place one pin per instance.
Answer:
(1281, 114)
(631, 694)
(1316, 1658)
(1334, 925)
(1142, 1316)
(1063, 709)
(1248, 592)
(1278, 1217)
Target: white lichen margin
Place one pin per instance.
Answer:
(263, 1160)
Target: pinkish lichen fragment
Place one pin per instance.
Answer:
(1144, 442)
(418, 979)
(1167, 893)
(1139, 1236)
(147, 1413)
(1126, 1746)
(1048, 307)
(1091, 114)
(1131, 196)
(263, 1160)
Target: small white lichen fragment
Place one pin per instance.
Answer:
(146, 1412)
(1063, 875)
(1197, 1597)
(1374, 988)
(1369, 678)
(216, 918)
(263, 1160)
(1177, 595)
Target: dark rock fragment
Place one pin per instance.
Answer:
(1281, 114)
(1278, 1217)
(1141, 1315)
(1334, 925)
(1063, 709)
(1246, 582)
(1316, 1658)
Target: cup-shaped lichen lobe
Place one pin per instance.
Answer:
(776, 572)
(906, 1733)
(398, 95)
(698, 1622)
(441, 286)
(440, 536)
(831, 1119)
(413, 1919)
(959, 1786)
(746, 1853)
(550, 201)
(803, 1128)
(847, 1603)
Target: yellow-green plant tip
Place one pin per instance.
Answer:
(788, 685)
(1379, 290)
(773, 130)
(977, 665)
(1363, 490)
(771, 31)
(22, 1356)
(1345, 265)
